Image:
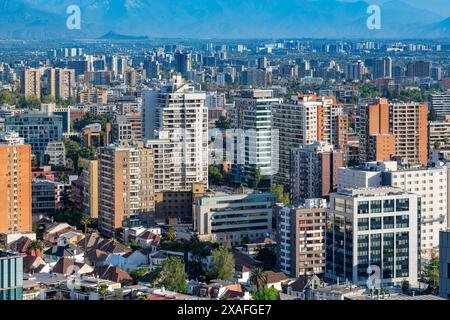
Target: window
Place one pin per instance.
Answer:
(388, 206)
(375, 224)
(402, 205)
(363, 224)
(375, 206)
(363, 207)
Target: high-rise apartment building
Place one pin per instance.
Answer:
(373, 227)
(430, 183)
(301, 238)
(60, 83)
(30, 82)
(439, 105)
(302, 120)
(38, 129)
(314, 171)
(183, 63)
(253, 115)
(177, 114)
(376, 143)
(90, 196)
(409, 125)
(126, 186)
(15, 183)
(382, 68)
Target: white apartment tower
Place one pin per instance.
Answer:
(177, 114)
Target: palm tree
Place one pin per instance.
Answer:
(259, 278)
(85, 221)
(35, 247)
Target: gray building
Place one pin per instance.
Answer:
(38, 129)
(444, 264)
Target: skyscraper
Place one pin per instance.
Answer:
(126, 186)
(183, 63)
(178, 115)
(253, 114)
(30, 82)
(15, 183)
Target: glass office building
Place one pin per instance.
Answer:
(11, 276)
(377, 227)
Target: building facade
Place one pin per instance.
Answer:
(301, 238)
(15, 184)
(378, 228)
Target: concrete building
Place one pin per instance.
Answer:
(438, 135)
(301, 238)
(126, 186)
(15, 184)
(30, 82)
(302, 120)
(373, 227)
(430, 183)
(46, 197)
(409, 124)
(89, 178)
(55, 153)
(234, 218)
(253, 114)
(38, 129)
(93, 95)
(440, 105)
(11, 271)
(444, 264)
(177, 114)
(60, 83)
(314, 171)
(376, 142)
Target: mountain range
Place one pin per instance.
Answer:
(46, 19)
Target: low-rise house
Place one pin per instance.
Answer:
(34, 264)
(129, 261)
(216, 290)
(337, 292)
(52, 233)
(69, 267)
(87, 289)
(244, 265)
(71, 237)
(303, 286)
(113, 273)
(55, 253)
(157, 259)
(275, 280)
(254, 247)
(90, 242)
(96, 258)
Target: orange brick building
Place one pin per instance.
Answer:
(15, 184)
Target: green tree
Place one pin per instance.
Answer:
(431, 276)
(222, 264)
(266, 294)
(223, 123)
(214, 174)
(48, 99)
(258, 177)
(259, 278)
(268, 257)
(72, 152)
(85, 222)
(7, 98)
(170, 235)
(283, 197)
(35, 247)
(171, 275)
(103, 291)
(138, 273)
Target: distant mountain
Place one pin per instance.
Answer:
(115, 36)
(43, 19)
